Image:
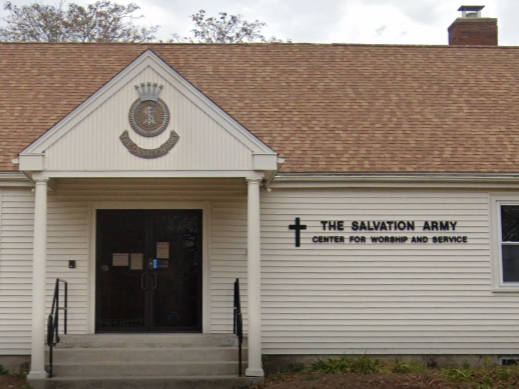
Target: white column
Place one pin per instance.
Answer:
(38, 281)
(255, 368)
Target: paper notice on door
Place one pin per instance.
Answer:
(163, 250)
(120, 259)
(136, 261)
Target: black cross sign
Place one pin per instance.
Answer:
(298, 227)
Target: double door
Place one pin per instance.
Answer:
(149, 271)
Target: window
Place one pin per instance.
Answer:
(509, 242)
(505, 242)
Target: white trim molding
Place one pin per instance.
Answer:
(152, 174)
(31, 162)
(392, 180)
(265, 161)
(254, 368)
(204, 206)
(495, 203)
(38, 281)
(15, 179)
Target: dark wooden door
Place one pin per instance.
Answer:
(149, 271)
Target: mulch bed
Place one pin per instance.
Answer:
(317, 381)
(355, 381)
(9, 382)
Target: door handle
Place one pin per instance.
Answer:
(155, 280)
(142, 281)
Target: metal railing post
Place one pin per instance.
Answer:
(53, 321)
(66, 309)
(238, 323)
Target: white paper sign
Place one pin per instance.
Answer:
(136, 261)
(120, 259)
(163, 250)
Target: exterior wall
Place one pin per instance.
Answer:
(68, 239)
(344, 298)
(316, 299)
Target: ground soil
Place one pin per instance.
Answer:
(316, 381)
(9, 382)
(355, 381)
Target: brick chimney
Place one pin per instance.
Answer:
(472, 29)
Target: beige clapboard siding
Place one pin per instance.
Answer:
(68, 233)
(16, 234)
(318, 299)
(68, 239)
(381, 298)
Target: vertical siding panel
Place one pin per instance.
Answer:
(94, 144)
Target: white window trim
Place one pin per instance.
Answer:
(496, 201)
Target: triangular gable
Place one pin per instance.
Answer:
(99, 134)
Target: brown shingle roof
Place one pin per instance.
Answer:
(325, 108)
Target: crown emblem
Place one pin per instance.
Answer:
(149, 91)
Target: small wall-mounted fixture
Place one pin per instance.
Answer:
(71, 264)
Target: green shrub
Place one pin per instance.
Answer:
(3, 371)
(365, 365)
(332, 365)
(344, 364)
(402, 367)
(458, 375)
(488, 377)
(294, 368)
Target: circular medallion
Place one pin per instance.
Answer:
(149, 117)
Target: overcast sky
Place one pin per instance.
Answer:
(330, 21)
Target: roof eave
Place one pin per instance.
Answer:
(465, 180)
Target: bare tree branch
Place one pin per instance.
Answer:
(224, 29)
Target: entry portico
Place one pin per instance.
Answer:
(147, 140)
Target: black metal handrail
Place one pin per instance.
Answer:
(53, 319)
(238, 323)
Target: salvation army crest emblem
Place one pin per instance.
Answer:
(149, 117)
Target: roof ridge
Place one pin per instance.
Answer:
(292, 44)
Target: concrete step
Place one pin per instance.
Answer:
(144, 369)
(140, 382)
(147, 340)
(148, 354)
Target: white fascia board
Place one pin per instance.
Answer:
(15, 179)
(263, 161)
(147, 59)
(31, 162)
(153, 174)
(432, 180)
